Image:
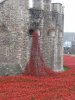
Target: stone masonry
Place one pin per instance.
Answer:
(51, 29)
(16, 19)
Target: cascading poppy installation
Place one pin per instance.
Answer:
(36, 65)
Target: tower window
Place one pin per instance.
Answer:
(31, 31)
(34, 30)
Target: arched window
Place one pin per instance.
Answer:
(34, 30)
(51, 32)
(38, 31)
(31, 31)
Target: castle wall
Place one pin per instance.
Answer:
(15, 43)
(14, 22)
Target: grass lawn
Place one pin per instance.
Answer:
(66, 68)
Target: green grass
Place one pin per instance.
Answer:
(66, 68)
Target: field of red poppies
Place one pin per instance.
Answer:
(58, 87)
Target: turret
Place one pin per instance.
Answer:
(57, 18)
(47, 5)
(38, 4)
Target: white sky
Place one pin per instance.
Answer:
(1, 1)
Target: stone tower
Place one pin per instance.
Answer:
(16, 19)
(38, 4)
(51, 28)
(57, 22)
(14, 24)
